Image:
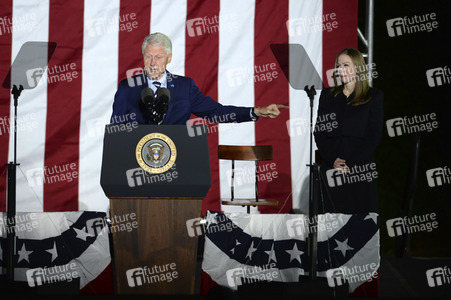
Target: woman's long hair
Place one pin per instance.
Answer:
(362, 86)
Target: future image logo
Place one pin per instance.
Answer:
(212, 224)
(33, 76)
(400, 226)
(259, 73)
(408, 25)
(438, 76)
(47, 275)
(306, 25)
(438, 276)
(358, 173)
(155, 274)
(207, 25)
(200, 126)
(135, 77)
(111, 24)
(438, 176)
(303, 225)
(196, 227)
(352, 274)
(251, 274)
(335, 277)
(194, 130)
(333, 77)
(408, 125)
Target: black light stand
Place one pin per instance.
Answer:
(301, 73)
(314, 185)
(11, 204)
(25, 73)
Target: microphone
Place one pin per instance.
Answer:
(147, 97)
(162, 102)
(311, 92)
(156, 105)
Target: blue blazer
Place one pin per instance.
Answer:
(186, 99)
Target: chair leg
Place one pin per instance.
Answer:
(256, 181)
(232, 181)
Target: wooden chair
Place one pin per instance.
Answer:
(249, 153)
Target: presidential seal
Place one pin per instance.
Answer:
(156, 153)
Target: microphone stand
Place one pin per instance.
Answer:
(314, 185)
(160, 105)
(32, 56)
(11, 202)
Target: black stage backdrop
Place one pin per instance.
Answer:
(402, 62)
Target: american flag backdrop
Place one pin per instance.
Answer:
(223, 45)
(240, 248)
(61, 241)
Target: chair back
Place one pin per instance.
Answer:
(255, 153)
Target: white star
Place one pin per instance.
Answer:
(251, 251)
(295, 253)
(343, 246)
(371, 216)
(236, 244)
(211, 219)
(82, 234)
(53, 252)
(23, 253)
(271, 254)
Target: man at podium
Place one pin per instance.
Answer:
(157, 96)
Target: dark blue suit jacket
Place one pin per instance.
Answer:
(186, 99)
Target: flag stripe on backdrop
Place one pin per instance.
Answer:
(305, 31)
(30, 25)
(5, 95)
(340, 37)
(70, 119)
(236, 87)
(63, 107)
(175, 11)
(202, 44)
(130, 56)
(100, 68)
(276, 173)
(322, 43)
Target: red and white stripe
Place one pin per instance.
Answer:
(69, 116)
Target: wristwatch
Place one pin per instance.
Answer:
(254, 117)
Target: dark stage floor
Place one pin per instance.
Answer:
(406, 278)
(399, 279)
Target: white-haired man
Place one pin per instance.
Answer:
(186, 98)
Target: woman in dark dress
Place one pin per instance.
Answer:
(348, 129)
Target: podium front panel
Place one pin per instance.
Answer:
(180, 152)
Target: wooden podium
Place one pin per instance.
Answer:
(158, 255)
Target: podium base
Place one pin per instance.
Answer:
(158, 256)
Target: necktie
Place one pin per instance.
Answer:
(157, 84)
